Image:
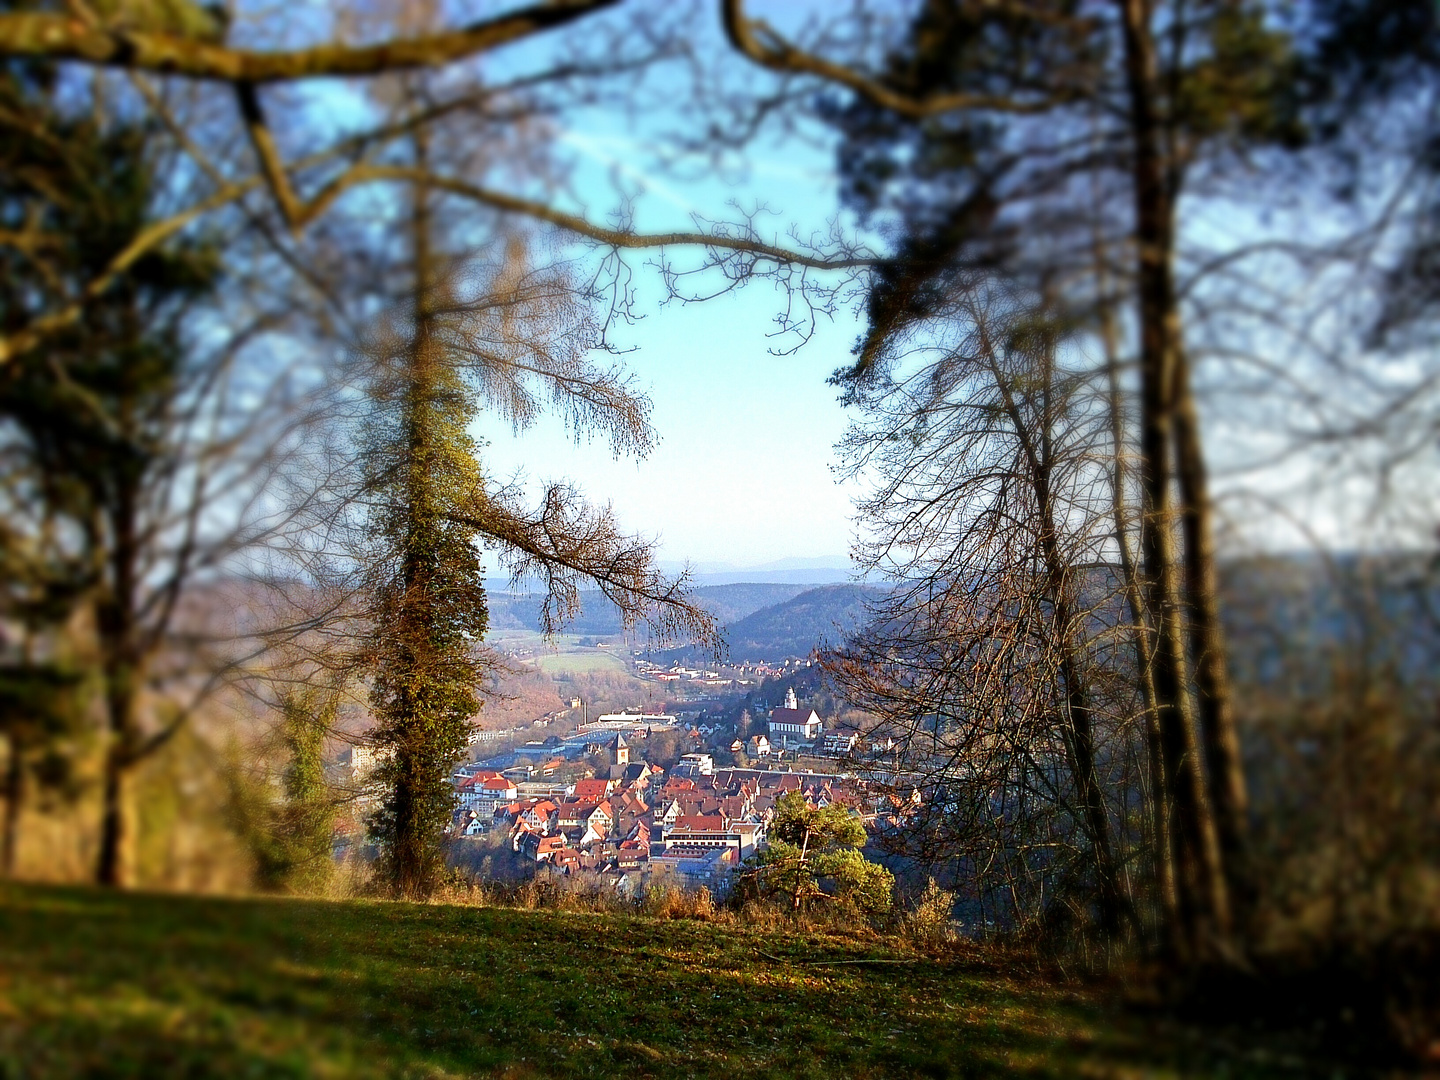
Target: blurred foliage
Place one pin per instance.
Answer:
(94, 421)
(286, 814)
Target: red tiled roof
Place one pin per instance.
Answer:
(478, 779)
(697, 823)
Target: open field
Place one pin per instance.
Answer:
(562, 654)
(579, 662)
(95, 984)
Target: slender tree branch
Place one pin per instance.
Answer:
(759, 41)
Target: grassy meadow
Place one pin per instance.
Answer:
(99, 984)
(562, 654)
(579, 661)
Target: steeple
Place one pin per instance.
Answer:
(790, 702)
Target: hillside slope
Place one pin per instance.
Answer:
(101, 984)
(728, 603)
(793, 627)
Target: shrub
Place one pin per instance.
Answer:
(929, 924)
(667, 901)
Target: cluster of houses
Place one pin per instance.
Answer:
(733, 675)
(696, 823)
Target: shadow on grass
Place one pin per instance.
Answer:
(97, 984)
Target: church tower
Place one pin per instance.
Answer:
(790, 702)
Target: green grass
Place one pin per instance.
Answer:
(95, 984)
(564, 663)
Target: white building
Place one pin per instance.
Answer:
(743, 836)
(485, 796)
(790, 724)
(364, 758)
(694, 765)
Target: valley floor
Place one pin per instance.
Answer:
(96, 984)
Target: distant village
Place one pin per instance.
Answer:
(627, 823)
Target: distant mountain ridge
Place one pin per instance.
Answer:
(727, 602)
(828, 575)
(793, 627)
(762, 621)
(782, 572)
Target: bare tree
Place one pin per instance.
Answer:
(1049, 144)
(988, 510)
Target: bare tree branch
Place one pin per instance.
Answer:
(64, 37)
(759, 41)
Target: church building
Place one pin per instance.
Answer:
(791, 724)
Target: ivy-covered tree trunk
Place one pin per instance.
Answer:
(432, 612)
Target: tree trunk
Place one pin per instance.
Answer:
(1113, 902)
(116, 864)
(1212, 677)
(408, 854)
(14, 804)
(119, 633)
(1163, 852)
(1080, 722)
(1204, 898)
(1160, 797)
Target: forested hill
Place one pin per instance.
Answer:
(795, 626)
(728, 603)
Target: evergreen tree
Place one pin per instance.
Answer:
(810, 847)
(96, 419)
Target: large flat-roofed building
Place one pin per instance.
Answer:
(632, 721)
(694, 833)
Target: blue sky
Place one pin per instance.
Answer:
(741, 474)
